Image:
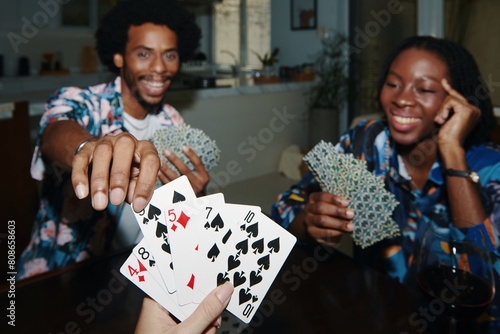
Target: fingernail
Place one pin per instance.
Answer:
(350, 226)
(116, 196)
(225, 292)
(185, 149)
(344, 202)
(349, 213)
(167, 153)
(139, 204)
(81, 191)
(99, 201)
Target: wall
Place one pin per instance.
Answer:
(298, 46)
(30, 28)
(251, 130)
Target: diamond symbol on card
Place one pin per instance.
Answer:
(183, 219)
(191, 282)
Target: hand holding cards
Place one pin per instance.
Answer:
(343, 175)
(191, 245)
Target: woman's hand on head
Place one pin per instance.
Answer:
(455, 127)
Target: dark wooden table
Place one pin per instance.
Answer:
(318, 290)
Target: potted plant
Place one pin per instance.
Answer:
(268, 61)
(330, 92)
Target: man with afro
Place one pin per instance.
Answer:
(88, 196)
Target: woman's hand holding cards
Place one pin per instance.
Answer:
(327, 217)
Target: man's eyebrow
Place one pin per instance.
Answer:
(138, 47)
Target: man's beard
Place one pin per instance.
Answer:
(131, 84)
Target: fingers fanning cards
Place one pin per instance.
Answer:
(191, 245)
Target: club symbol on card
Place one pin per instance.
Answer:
(222, 278)
(264, 262)
(242, 247)
(245, 296)
(232, 263)
(255, 278)
(253, 230)
(217, 223)
(178, 197)
(258, 246)
(226, 237)
(274, 245)
(213, 253)
(239, 279)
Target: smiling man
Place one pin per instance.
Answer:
(99, 134)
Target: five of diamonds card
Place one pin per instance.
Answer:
(193, 244)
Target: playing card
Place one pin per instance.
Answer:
(344, 175)
(191, 245)
(174, 137)
(220, 227)
(139, 275)
(143, 254)
(253, 257)
(184, 221)
(152, 221)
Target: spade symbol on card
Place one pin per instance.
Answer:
(226, 237)
(264, 262)
(238, 279)
(152, 263)
(161, 230)
(166, 248)
(153, 212)
(274, 245)
(222, 278)
(255, 278)
(217, 223)
(253, 230)
(232, 263)
(178, 197)
(244, 296)
(242, 246)
(206, 226)
(258, 246)
(213, 253)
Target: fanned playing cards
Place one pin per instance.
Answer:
(193, 244)
(175, 137)
(344, 175)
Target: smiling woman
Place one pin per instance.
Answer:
(439, 117)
